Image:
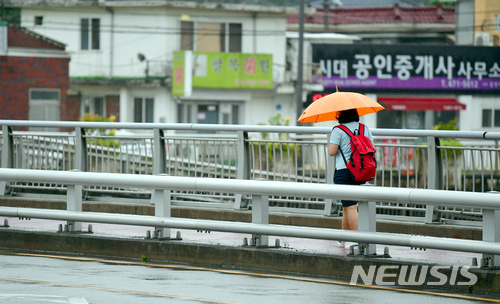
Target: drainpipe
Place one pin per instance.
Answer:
(255, 32)
(300, 73)
(111, 42)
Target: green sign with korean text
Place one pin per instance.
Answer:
(178, 77)
(225, 71)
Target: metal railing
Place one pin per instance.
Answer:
(367, 237)
(406, 159)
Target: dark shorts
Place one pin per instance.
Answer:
(345, 177)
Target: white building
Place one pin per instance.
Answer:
(122, 57)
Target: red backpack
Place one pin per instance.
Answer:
(362, 163)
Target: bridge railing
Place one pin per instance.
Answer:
(367, 237)
(406, 159)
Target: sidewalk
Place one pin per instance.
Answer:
(310, 246)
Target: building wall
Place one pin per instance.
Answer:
(153, 32)
(113, 106)
(19, 74)
(484, 18)
(73, 107)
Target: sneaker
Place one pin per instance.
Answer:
(349, 244)
(341, 243)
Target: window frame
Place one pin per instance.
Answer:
(146, 115)
(231, 36)
(90, 34)
(90, 102)
(493, 121)
(228, 111)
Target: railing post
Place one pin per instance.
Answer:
(491, 228)
(74, 193)
(243, 166)
(162, 199)
(260, 215)
(74, 203)
(330, 170)
(367, 221)
(435, 173)
(7, 157)
(159, 153)
(80, 150)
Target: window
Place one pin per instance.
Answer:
(208, 112)
(90, 34)
(497, 22)
(211, 37)
(38, 20)
(95, 105)
(143, 109)
(44, 104)
(235, 33)
(187, 34)
(491, 118)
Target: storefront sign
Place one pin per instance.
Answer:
(405, 67)
(225, 70)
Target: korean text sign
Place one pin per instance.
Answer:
(225, 70)
(463, 68)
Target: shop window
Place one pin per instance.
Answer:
(390, 119)
(193, 112)
(211, 36)
(90, 33)
(491, 118)
(143, 109)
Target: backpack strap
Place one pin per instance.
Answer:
(349, 133)
(361, 130)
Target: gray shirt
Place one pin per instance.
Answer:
(340, 138)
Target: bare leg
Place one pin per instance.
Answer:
(345, 221)
(350, 218)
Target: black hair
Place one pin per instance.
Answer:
(348, 116)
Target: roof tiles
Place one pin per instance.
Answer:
(394, 14)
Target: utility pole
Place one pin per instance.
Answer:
(326, 13)
(300, 67)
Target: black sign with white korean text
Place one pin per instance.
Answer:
(408, 68)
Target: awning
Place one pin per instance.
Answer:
(420, 103)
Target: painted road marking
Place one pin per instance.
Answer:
(47, 298)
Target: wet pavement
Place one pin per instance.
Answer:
(397, 253)
(82, 281)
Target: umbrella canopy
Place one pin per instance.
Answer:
(327, 107)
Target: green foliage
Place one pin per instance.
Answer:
(11, 15)
(274, 149)
(107, 142)
(276, 120)
(264, 135)
(450, 125)
(449, 142)
(144, 258)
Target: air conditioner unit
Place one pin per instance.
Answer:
(483, 39)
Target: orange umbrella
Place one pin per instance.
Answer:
(327, 107)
